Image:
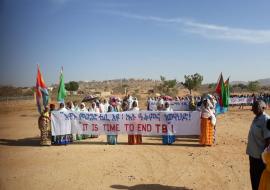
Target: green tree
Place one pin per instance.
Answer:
(72, 86)
(253, 86)
(242, 86)
(192, 82)
(211, 85)
(168, 87)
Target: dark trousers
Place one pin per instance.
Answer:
(256, 167)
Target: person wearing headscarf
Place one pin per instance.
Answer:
(131, 137)
(134, 106)
(63, 139)
(83, 108)
(102, 107)
(114, 105)
(160, 104)
(70, 107)
(170, 137)
(94, 109)
(76, 107)
(106, 105)
(111, 139)
(130, 101)
(136, 138)
(258, 139)
(212, 105)
(79, 135)
(208, 120)
(44, 127)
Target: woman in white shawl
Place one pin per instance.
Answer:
(83, 108)
(135, 138)
(208, 121)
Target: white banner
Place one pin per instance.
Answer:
(143, 122)
(240, 100)
(175, 105)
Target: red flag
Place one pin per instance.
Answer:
(219, 89)
(40, 83)
(41, 91)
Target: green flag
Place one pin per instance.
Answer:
(226, 93)
(61, 90)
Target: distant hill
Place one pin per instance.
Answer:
(238, 82)
(263, 82)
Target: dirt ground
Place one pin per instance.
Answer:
(91, 164)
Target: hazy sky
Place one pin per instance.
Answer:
(100, 40)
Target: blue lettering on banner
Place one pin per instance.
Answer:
(103, 117)
(130, 117)
(176, 103)
(177, 116)
(66, 115)
(88, 116)
(69, 116)
(149, 116)
(72, 116)
(115, 117)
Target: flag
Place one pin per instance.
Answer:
(220, 89)
(61, 90)
(226, 93)
(41, 91)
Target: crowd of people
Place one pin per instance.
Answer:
(252, 97)
(194, 102)
(114, 104)
(206, 105)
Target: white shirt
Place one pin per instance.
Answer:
(135, 109)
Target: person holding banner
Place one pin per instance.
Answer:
(111, 139)
(94, 109)
(213, 105)
(82, 108)
(258, 139)
(62, 139)
(70, 107)
(208, 120)
(137, 138)
(170, 137)
(132, 139)
(114, 105)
